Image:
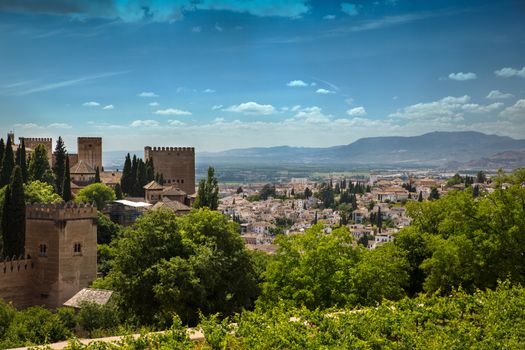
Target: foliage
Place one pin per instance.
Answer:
(208, 192)
(94, 316)
(107, 230)
(267, 191)
(96, 193)
(326, 195)
(59, 167)
(167, 265)
(7, 162)
(66, 187)
(39, 168)
(40, 192)
(14, 216)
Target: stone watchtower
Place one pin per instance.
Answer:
(62, 242)
(176, 164)
(32, 142)
(90, 151)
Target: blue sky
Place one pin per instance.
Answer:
(232, 74)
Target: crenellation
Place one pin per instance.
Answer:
(61, 211)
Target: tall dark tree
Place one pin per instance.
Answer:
(59, 169)
(126, 181)
(379, 220)
(14, 216)
(2, 150)
(118, 192)
(142, 178)
(307, 193)
(97, 175)
(134, 170)
(420, 198)
(23, 161)
(481, 177)
(8, 163)
(434, 194)
(39, 168)
(208, 192)
(150, 170)
(66, 186)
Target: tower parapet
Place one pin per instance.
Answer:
(32, 142)
(61, 211)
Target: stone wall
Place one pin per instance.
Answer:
(32, 142)
(90, 151)
(16, 277)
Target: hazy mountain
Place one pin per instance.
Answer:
(451, 149)
(432, 149)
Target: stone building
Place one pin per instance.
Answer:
(176, 164)
(31, 143)
(60, 256)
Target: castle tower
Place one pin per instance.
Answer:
(90, 151)
(32, 142)
(176, 164)
(61, 240)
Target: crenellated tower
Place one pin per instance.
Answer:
(176, 164)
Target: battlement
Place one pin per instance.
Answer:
(16, 265)
(61, 211)
(36, 139)
(170, 149)
(89, 138)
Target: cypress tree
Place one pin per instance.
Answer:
(66, 186)
(118, 191)
(60, 165)
(150, 170)
(39, 164)
(14, 216)
(126, 175)
(8, 163)
(23, 161)
(2, 150)
(97, 175)
(420, 198)
(142, 179)
(133, 179)
(379, 219)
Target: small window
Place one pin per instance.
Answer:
(42, 250)
(77, 248)
(177, 180)
(182, 181)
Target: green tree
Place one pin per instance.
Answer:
(481, 177)
(59, 168)
(66, 187)
(14, 216)
(39, 166)
(420, 197)
(167, 264)
(2, 150)
(239, 190)
(126, 179)
(434, 194)
(208, 192)
(326, 195)
(107, 230)
(40, 192)
(267, 191)
(97, 175)
(118, 192)
(8, 163)
(96, 193)
(307, 193)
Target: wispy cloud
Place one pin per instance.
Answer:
(148, 94)
(253, 108)
(216, 107)
(496, 94)
(208, 91)
(109, 107)
(508, 72)
(171, 111)
(36, 126)
(296, 83)
(218, 27)
(153, 104)
(148, 123)
(59, 84)
(329, 17)
(349, 8)
(91, 104)
(356, 112)
(324, 91)
(196, 29)
(460, 76)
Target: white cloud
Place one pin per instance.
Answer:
(176, 123)
(251, 108)
(218, 27)
(515, 111)
(153, 104)
(312, 115)
(356, 112)
(196, 29)
(109, 107)
(462, 76)
(216, 107)
(208, 91)
(508, 72)
(349, 9)
(59, 126)
(476, 108)
(296, 83)
(148, 94)
(329, 17)
(91, 104)
(296, 108)
(171, 111)
(448, 107)
(324, 91)
(496, 94)
(144, 123)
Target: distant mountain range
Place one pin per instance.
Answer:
(459, 150)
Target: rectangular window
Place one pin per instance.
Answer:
(77, 248)
(42, 250)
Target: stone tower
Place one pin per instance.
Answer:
(32, 142)
(176, 164)
(90, 151)
(61, 240)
